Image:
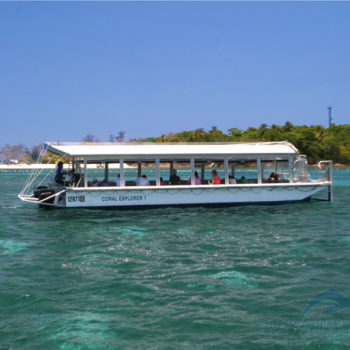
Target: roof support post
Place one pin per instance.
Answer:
(330, 179)
(233, 169)
(121, 170)
(291, 169)
(193, 180)
(258, 164)
(139, 169)
(171, 168)
(226, 171)
(202, 170)
(106, 171)
(157, 172)
(85, 174)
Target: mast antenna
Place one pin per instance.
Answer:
(329, 116)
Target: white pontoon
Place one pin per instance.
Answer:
(277, 174)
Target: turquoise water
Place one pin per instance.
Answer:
(232, 278)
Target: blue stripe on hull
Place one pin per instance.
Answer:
(206, 205)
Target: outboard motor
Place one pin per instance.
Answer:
(42, 192)
(39, 189)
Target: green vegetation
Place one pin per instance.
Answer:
(316, 142)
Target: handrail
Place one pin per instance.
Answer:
(52, 196)
(328, 174)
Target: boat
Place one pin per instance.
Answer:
(249, 173)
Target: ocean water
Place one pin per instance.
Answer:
(243, 277)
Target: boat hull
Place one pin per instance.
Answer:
(190, 196)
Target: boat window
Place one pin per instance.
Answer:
(134, 170)
(183, 171)
(102, 174)
(275, 171)
(205, 169)
(246, 171)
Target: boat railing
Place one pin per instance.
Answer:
(47, 201)
(325, 173)
(300, 170)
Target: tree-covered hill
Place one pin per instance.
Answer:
(317, 142)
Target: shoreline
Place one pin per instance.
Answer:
(24, 166)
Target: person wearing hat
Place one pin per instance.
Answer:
(59, 178)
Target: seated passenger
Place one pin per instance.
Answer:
(197, 179)
(231, 180)
(142, 181)
(272, 177)
(118, 180)
(162, 183)
(94, 183)
(244, 180)
(174, 179)
(215, 179)
(104, 183)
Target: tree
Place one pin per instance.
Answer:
(90, 138)
(235, 132)
(121, 136)
(17, 152)
(35, 152)
(262, 130)
(111, 138)
(288, 126)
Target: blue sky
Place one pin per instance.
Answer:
(70, 69)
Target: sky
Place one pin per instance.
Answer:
(68, 69)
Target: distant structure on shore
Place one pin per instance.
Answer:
(329, 116)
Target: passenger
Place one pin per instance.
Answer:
(104, 183)
(232, 180)
(94, 183)
(244, 180)
(215, 179)
(142, 181)
(59, 178)
(197, 179)
(118, 180)
(162, 183)
(272, 177)
(174, 179)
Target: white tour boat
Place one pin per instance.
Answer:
(244, 173)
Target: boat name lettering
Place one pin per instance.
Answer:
(122, 198)
(76, 199)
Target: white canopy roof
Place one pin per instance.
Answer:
(168, 151)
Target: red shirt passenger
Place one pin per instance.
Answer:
(215, 179)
